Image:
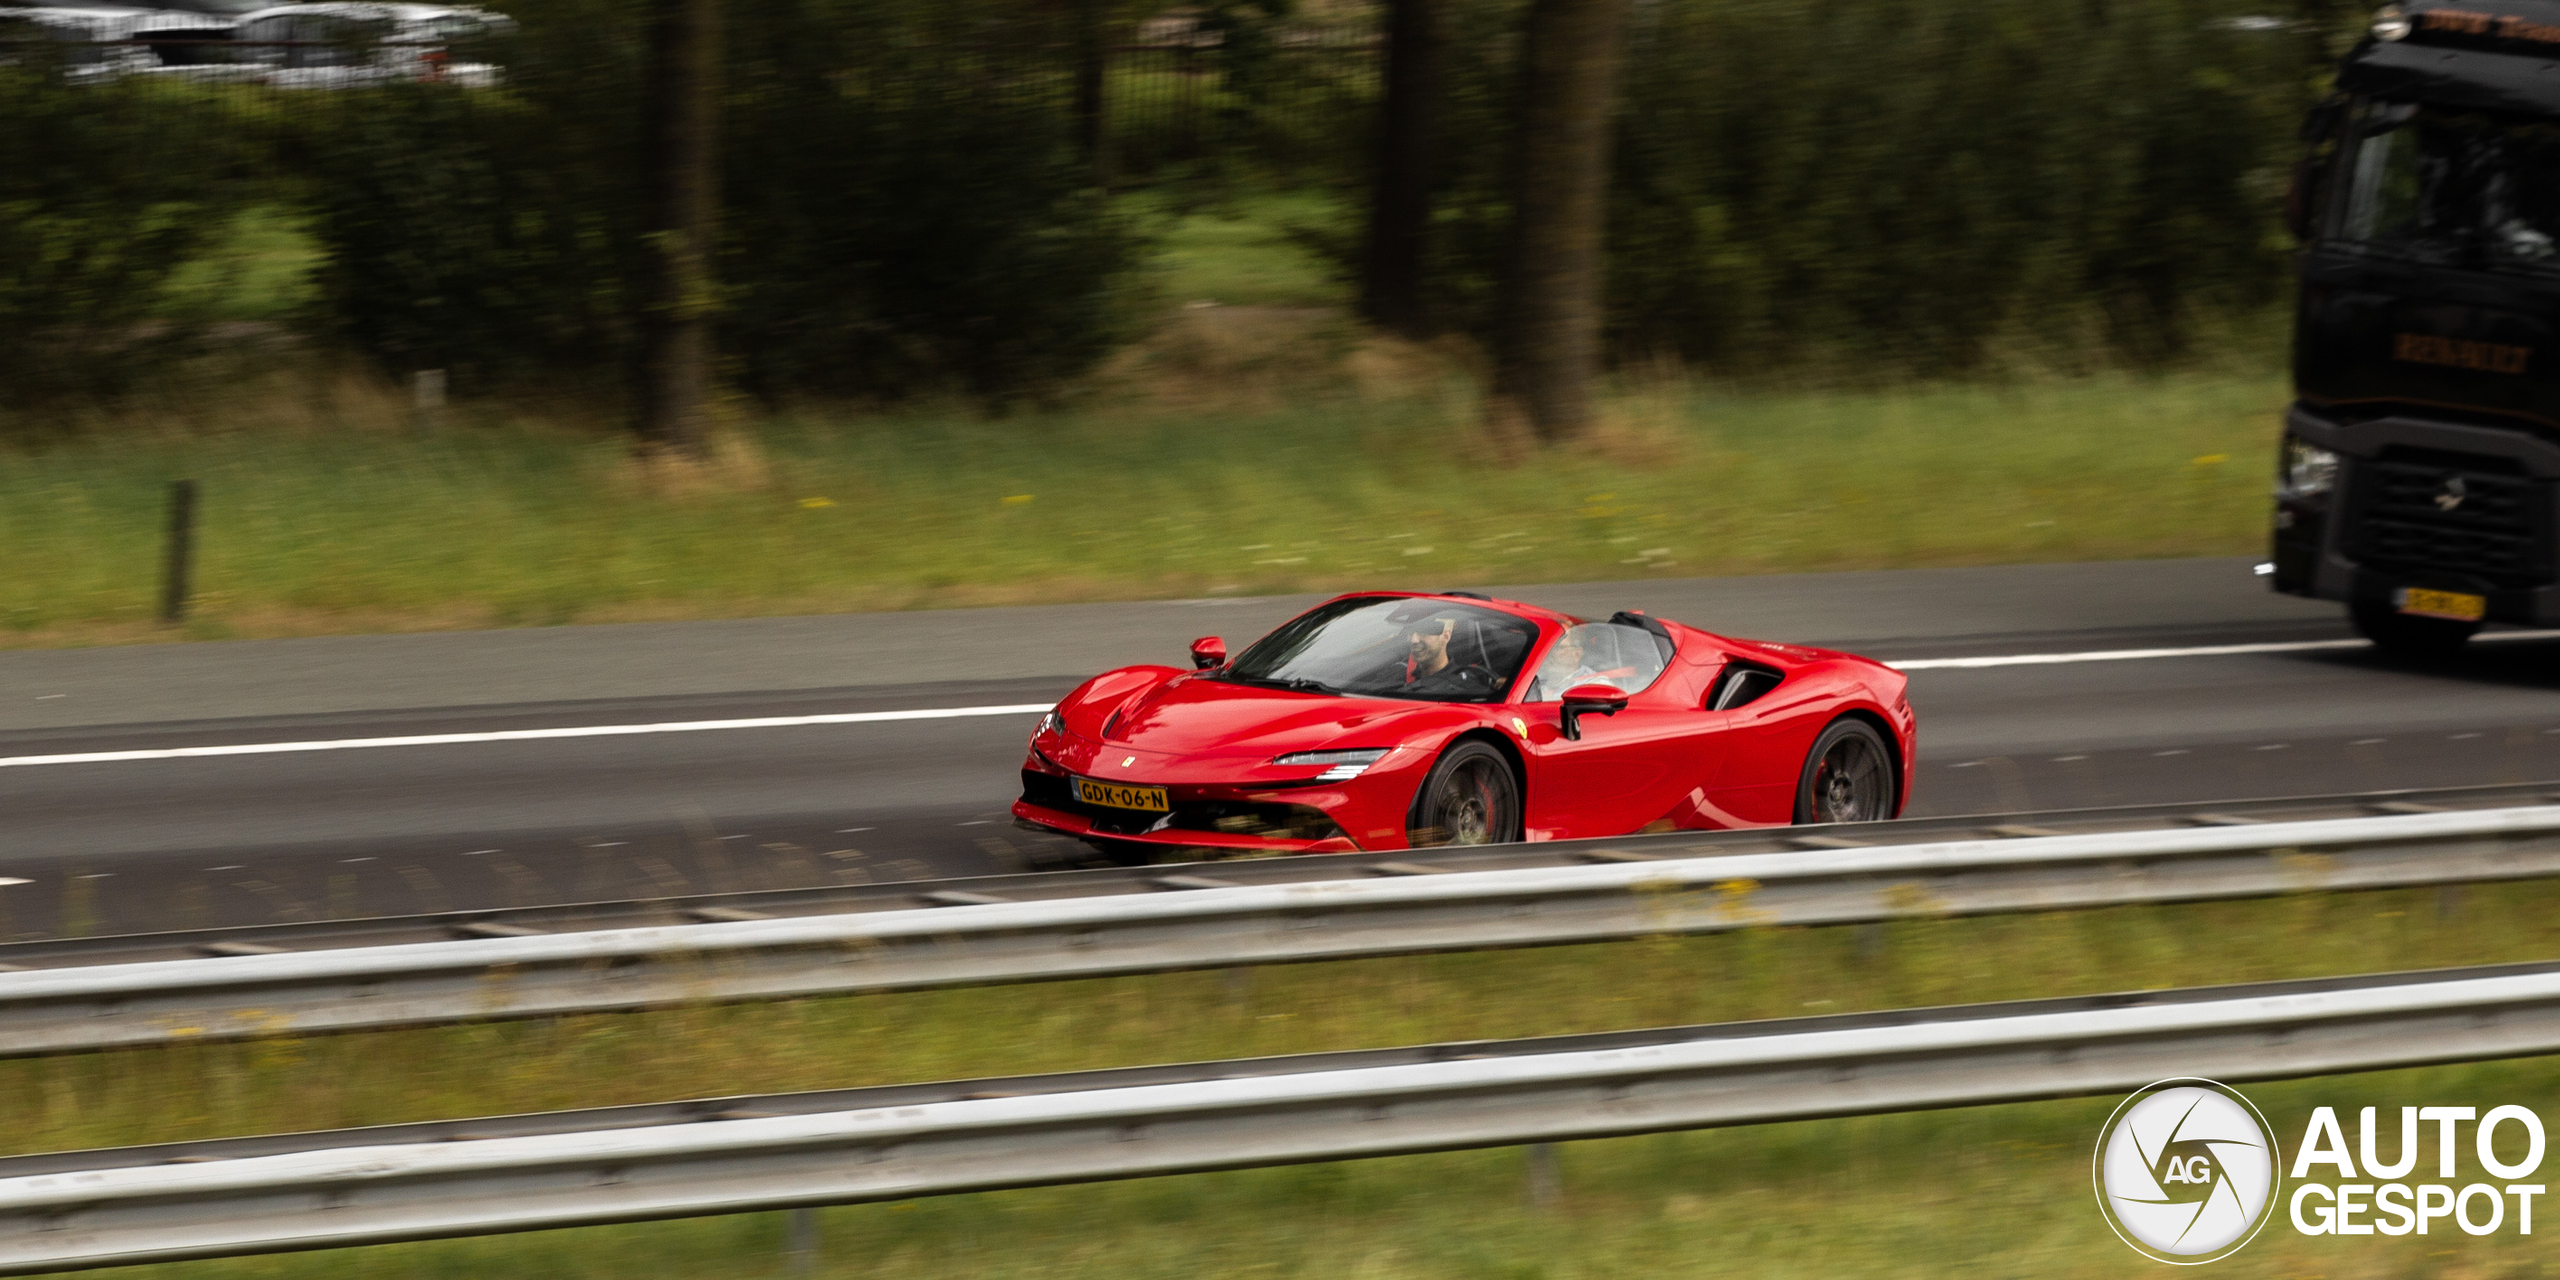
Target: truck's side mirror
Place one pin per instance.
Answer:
(1207, 652)
(1588, 700)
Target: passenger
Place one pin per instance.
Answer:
(1565, 668)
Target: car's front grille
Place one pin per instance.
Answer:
(2450, 519)
(1232, 817)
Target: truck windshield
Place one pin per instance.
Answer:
(2455, 188)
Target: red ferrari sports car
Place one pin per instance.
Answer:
(1390, 720)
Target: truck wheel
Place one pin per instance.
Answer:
(2403, 636)
(1848, 776)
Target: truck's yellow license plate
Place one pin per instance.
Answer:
(1120, 797)
(2453, 605)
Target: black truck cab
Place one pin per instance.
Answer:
(2421, 457)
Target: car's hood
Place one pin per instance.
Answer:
(1190, 716)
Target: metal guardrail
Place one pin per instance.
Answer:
(262, 1195)
(1209, 925)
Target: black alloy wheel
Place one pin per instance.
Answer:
(1848, 776)
(1471, 797)
(2402, 636)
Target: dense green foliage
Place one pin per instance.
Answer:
(1915, 186)
(107, 187)
(900, 212)
(1893, 186)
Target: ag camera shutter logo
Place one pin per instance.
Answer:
(2186, 1171)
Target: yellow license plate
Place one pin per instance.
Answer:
(1119, 797)
(2440, 604)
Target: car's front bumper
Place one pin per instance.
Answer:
(1083, 827)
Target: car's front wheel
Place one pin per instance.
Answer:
(1471, 797)
(1848, 776)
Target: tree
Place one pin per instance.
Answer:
(1547, 300)
(1093, 62)
(683, 135)
(1400, 201)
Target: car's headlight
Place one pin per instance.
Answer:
(1339, 765)
(2309, 470)
(1051, 722)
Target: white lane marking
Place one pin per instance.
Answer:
(2196, 651)
(10, 880)
(525, 735)
(1033, 708)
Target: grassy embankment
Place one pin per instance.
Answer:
(1984, 1191)
(1257, 445)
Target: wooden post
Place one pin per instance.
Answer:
(178, 567)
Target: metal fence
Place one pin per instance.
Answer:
(262, 1195)
(1206, 924)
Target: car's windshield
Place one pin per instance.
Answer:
(1392, 647)
(2455, 188)
(1610, 653)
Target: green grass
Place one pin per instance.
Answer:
(2000, 1190)
(346, 525)
(1236, 254)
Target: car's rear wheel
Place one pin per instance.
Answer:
(2403, 636)
(1848, 776)
(1471, 797)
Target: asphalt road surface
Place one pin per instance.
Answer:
(484, 819)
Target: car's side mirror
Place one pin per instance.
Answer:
(1592, 700)
(1207, 652)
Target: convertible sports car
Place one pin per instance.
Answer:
(1390, 720)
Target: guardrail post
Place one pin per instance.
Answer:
(426, 403)
(802, 1240)
(1546, 1182)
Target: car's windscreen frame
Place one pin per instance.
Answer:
(1359, 646)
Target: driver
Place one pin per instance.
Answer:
(1428, 669)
